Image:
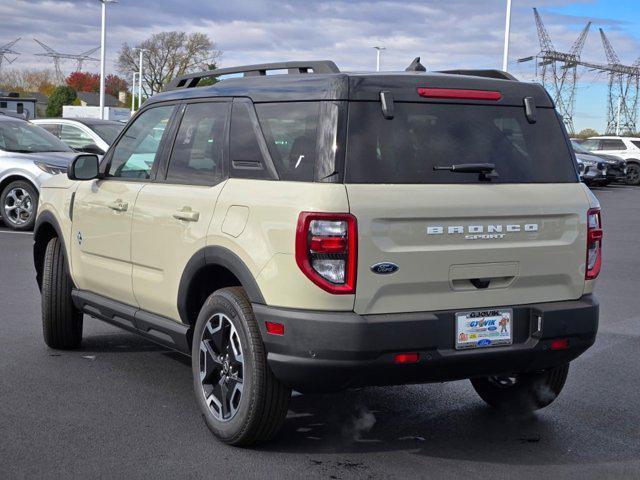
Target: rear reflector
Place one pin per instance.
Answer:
(275, 328)
(560, 344)
(459, 94)
(403, 358)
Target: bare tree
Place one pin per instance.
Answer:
(26, 80)
(167, 55)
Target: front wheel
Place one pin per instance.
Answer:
(633, 174)
(19, 202)
(61, 320)
(523, 392)
(241, 401)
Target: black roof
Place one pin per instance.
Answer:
(330, 84)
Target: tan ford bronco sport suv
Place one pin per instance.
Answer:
(318, 230)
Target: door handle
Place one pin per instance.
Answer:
(187, 215)
(119, 206)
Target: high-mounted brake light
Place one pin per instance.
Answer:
(459, 94)
(326, 250)
(594, 243)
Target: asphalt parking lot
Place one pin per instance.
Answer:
(123, 408)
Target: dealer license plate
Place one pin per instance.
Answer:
(484, 328)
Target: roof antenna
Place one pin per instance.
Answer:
(415, 66)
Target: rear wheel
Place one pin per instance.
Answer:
(61, 320)
(633, 174)
(19, 202)
(240, 399)
(524, 392)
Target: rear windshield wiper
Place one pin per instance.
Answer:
(487, 171)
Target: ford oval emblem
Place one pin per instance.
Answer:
(484, 342)
(384, 268)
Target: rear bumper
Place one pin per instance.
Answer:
(325, 351)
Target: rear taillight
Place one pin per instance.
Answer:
(326, 250)
(594, 243)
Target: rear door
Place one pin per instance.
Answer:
(172, 214)
(460, 241)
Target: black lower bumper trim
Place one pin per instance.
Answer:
(324, 351)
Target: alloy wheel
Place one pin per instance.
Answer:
(221, 367)
(18, 206)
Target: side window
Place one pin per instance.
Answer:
(612, 144)
(197, 154)
(636, 143)
(75, 137)
(135, 153)
(291, 132)
(246, 157)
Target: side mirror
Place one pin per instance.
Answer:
(83, 167)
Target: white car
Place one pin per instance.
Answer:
(627, 148)
(88, 135)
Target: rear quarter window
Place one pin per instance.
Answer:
(420, 136)
(290, 130)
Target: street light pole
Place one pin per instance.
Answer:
(103, 53)
(507, 28)
(378, 49)
(133, 93)
(142, 50)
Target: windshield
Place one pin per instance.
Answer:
(590, 145)
(107, 131)
(420, 136)
(578, 148)
(25, 137)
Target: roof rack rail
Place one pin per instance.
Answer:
(499, 74)
(316, 66)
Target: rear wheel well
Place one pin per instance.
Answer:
(208, 279)
(42, 237)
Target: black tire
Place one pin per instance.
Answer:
(523, 392)
(61, 320)
(262, 406)
(19, 205)
(633, 174)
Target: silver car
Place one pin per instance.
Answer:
(29, 155)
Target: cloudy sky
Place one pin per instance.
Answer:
(446, 34)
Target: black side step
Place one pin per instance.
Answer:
(160, 330)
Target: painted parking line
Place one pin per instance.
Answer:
(16, 233)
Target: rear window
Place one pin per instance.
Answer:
(420, 136)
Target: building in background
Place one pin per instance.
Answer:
(14, 103)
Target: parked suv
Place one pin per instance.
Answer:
(627, 148)
(321, 230)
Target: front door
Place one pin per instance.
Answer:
(103, 209)
(172, 215)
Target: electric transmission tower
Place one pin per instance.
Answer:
(622, 104)
(558, 71)
(57, 56)
(7, 49)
